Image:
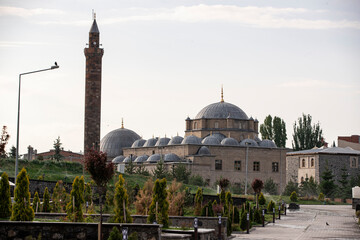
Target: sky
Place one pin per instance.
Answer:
(166, 60)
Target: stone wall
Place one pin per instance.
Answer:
(72, 231)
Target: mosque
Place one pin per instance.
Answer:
(220, 141)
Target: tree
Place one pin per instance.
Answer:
(46, 201)
(290, 187)
(74, 207)
(327, 184)
(144, 198)
(160, 172)
(262, 199)
(271, 206)
(257, 185)
(309, 187)
(130, 167)
(293, 197)
(88, 192)
(176, 199)
(159, 206)
(59, 197)
(36, 202)
(198, 201)
(121, 200)
(275, 130)
(224, 183)
(57, 146)
(3, 141)
(181, 173)
(306, 136)
(271, 187)
(12, 152)
(22, 211)
(5, 198)
(344, 188)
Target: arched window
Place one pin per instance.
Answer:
(195, 125)
(216, 125)
(303, 163)
(312, 162)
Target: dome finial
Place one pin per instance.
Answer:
(222, 94)
(94, 14)
(122, 123)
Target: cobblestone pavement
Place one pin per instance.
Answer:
(310, 223)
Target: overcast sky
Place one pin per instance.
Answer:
(166, 60)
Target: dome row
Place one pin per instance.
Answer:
(170, 157)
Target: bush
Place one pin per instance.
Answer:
(321, 197)
(198, 201)
(210, 212)
(144, 198)
(270, 206)
(290, 187)
(46, 201)
(196, 180)
(36, 202)
(160, 197)
(121, 200)
(236, 215)
(176, 199)
(76, 200)
(116, 235)
(257, 216)
(5, 199)
(262, 200)
(243, 220)
(358, 213)
(293, 197)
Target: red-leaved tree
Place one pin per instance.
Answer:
(101, 172)
(257, 185)
(3, 141)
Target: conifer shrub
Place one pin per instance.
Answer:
(243, 220)
(270, 206)
(46, 201)
(160, 197)
(121, 200)
(88, 192)
(36, 202)
(22, 210)
(236, 215)
(144, 198)
(5, 198)
(198, 202)
(321, 197)
(116, 235)
(262, 199)
(59, 197)
(74, 207)
(176, 199)
(208, 207)
(293, 197)
(257, 216)
(217, 208)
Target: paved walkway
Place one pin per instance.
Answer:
(310, 223)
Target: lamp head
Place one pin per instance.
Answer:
(55, 66)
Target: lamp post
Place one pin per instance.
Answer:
(246, 166)
(18, 115)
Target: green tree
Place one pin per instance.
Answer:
(115, 234)
(290, 187)
(293, 197)
(243, 220)
(12, 152)
(327, 184)
(257, 185)
(262, 199)
(57, 146)
(275, 130)
(198, 201)
(344, 187)
(271, 187)
(207, 208)
(88, 193)
(321, 197)
(59, 197)
(36, 202)
(130, 166)
(271, 206)
(181, 173)
(5, 199)
(22, 211)
(74, 207)
(121, 201)
(160, 172)
(306, 135)
(309, 187)
(46, 201)
(160, 200)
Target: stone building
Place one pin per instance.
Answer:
(352, 141)
(311, 163)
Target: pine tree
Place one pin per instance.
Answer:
(36, 202)
(160, 172)
(159, 197)
(344, 188)
(262, 200)
(121, 200)
(88, 193)
(22, 210)
(57, 146)
(198, 202)
(306, 136)
(5, 198)
(271, 187)
(271, 206)
(74, 207)
(327, 184)
(274, 129)
(59, 197)
(46, 201)
(290, 187)
(209, 209)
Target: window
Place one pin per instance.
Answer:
(195, 125)
(312, 162)
(353, 162)
(275, 166)
(218, 164)
(216, 125)
(237, 165)
(303, 163)
(256, 166)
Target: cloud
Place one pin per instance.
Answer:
(23, 12)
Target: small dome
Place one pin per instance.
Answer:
(210, 140)
(219, 136)
(251, 119)
(154, 158)
(203, 151)
(191, 140)
(138, 143)
(248, 142)
(141, 159)
(222, 110)
(171, 157)
(266, 143)
(258, 140)
(114, 142)
(118, 159)
(129, 158)
(175, 140)
(229, 142)
(162, 141)
(150, 142)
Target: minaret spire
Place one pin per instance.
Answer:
(122, 122)
(222, 94)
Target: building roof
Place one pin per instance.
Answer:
(141, 159)
(333, 150)
(267, 144)
(175, 140)
(150, 142)
(210, 140)
(118, 159)
(248, 142)
(94, 28)
(229, 142)
(203, 151)
(222, 110)
(191, 140)
(162, 141)
(138, 143)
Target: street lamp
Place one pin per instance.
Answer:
(55, 66)
(246, 166)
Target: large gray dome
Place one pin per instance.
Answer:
(162, 141)
(150, 142)
(175, 140)
(114, 142)
(191, 140)
(229, 142)
(210, 140)
(138, 143)
(248, 142)
(222, 110)
(267, 143)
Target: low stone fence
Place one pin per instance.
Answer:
(72, 231)
(237, 201)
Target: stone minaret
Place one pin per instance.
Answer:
(93, 55)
